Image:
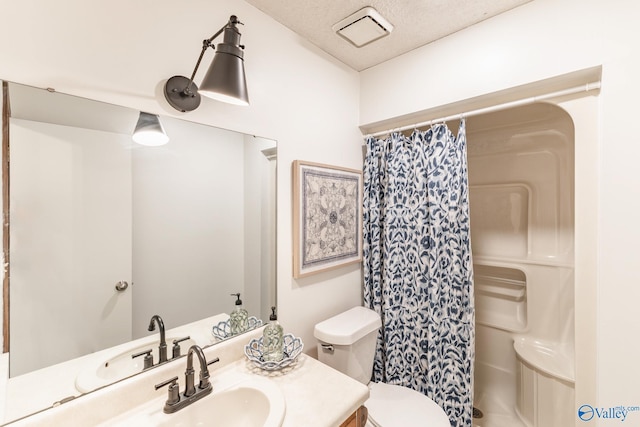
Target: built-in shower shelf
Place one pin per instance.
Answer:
(563, 262)
(505, 322)
(554, 359)
(545, 382)
(500, 297)
(500, 282)
(514, 291)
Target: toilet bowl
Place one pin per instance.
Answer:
(397, 406)
(347, 342)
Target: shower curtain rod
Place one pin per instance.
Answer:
(571, 91)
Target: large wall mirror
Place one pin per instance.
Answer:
(185, 225)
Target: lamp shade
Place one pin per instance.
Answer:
(149, 131)
(225, 80)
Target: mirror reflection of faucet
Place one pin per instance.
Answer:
(162, 348)
(148, 358)
(176, 347)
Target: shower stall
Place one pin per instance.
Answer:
(521, 179)
(534, 195)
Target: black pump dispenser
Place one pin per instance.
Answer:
(273, 315)
(238, 301)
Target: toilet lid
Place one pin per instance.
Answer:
(396, 406)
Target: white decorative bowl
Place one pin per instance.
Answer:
(223, 330)
(292, 348)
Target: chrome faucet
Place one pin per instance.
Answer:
(177, 401)
(190, 389)
(162, 348)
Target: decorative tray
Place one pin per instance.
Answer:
(292, 348)
(223, 330)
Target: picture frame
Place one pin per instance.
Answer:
(327, 217)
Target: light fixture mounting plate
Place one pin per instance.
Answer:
(178, 97)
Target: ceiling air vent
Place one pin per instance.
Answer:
(363, 27)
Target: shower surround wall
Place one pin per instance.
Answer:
(521, 177)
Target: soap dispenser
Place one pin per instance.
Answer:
(238, 318)
(272, 345)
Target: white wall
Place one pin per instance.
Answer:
(70, 241)
(539, 40)
(122, 52)
(259, 225)
(4, 271)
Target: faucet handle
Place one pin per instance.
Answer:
(204, 374)
(174, 390)
(217, 359)
(176, 346)
(148, 358)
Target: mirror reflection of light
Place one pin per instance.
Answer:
(149, 131)
(150, 138)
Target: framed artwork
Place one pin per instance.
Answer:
(327, 217)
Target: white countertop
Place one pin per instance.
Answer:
(316, 395)
(34, 391)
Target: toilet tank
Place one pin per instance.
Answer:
(347, 342)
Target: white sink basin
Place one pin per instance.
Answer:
(247, 402)
(117, 363)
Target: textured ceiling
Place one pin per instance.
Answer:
(416, 23)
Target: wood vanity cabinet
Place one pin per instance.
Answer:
(357, 419)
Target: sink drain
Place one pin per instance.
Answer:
(477, 413)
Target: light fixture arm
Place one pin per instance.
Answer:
(227, 83)
(208, 43)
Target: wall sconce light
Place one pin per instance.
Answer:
(225, 80)
(149, 131)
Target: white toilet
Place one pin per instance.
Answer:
(347, 342)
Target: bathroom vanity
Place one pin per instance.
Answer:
(357, 419)
(308, 393)
(70, 379)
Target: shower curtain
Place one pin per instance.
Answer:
(418, 270)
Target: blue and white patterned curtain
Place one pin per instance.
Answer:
(418, 270)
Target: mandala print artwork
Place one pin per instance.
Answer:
(327, 218)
